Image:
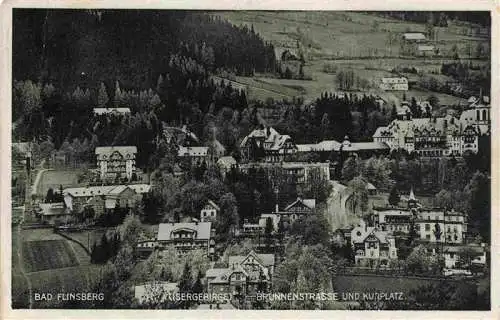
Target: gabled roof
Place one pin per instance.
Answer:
(414, 36)
(267, 260)
(310, 203)
(202, 229)
(425, 48)
(53, 209)
(270, 136)
(226, 161)
(210, 202)
(120, 149)
(374, 145)
(370, 186)
(106, 190)
(380, 235)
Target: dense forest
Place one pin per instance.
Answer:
(85, 47)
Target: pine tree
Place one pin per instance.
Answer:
(104, 248)
(93, 254)
(118, 95)
(159, 84)
(394, 196)
(102, 96)
(198, 286)
(394, 112)
(185, 284)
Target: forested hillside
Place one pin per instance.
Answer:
(75, 47)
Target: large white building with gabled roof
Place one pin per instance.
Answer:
(116, 162)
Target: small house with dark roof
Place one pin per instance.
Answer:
(297, 209)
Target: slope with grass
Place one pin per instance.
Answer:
(48, 254)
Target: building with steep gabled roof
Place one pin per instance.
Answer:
(297, 209)
(244, 274)
(372, 246)
(267, 144)
(209, 211)
(430, 137)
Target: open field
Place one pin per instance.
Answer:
(349, 40)
(48, 254)
(54, 178)
(53, 264)
(75, 279)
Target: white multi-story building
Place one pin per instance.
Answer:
(116, 162)
(436, 225)
(430, 137)
(394, 84)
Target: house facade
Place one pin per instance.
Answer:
(101, 198)
(186, 236)
(372, 246)
(300, 208)
(433, 225)
(195, 154)
(245, 275)
(266, 144)
(394, 84)
(116, 162)
(430, 137)
(209, 212)
(292, 172)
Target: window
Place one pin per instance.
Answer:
(427, 227)
(428, 237)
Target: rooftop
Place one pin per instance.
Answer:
(106, 190)
(202, 229)
(111, 149)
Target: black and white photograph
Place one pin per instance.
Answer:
(250, 159)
